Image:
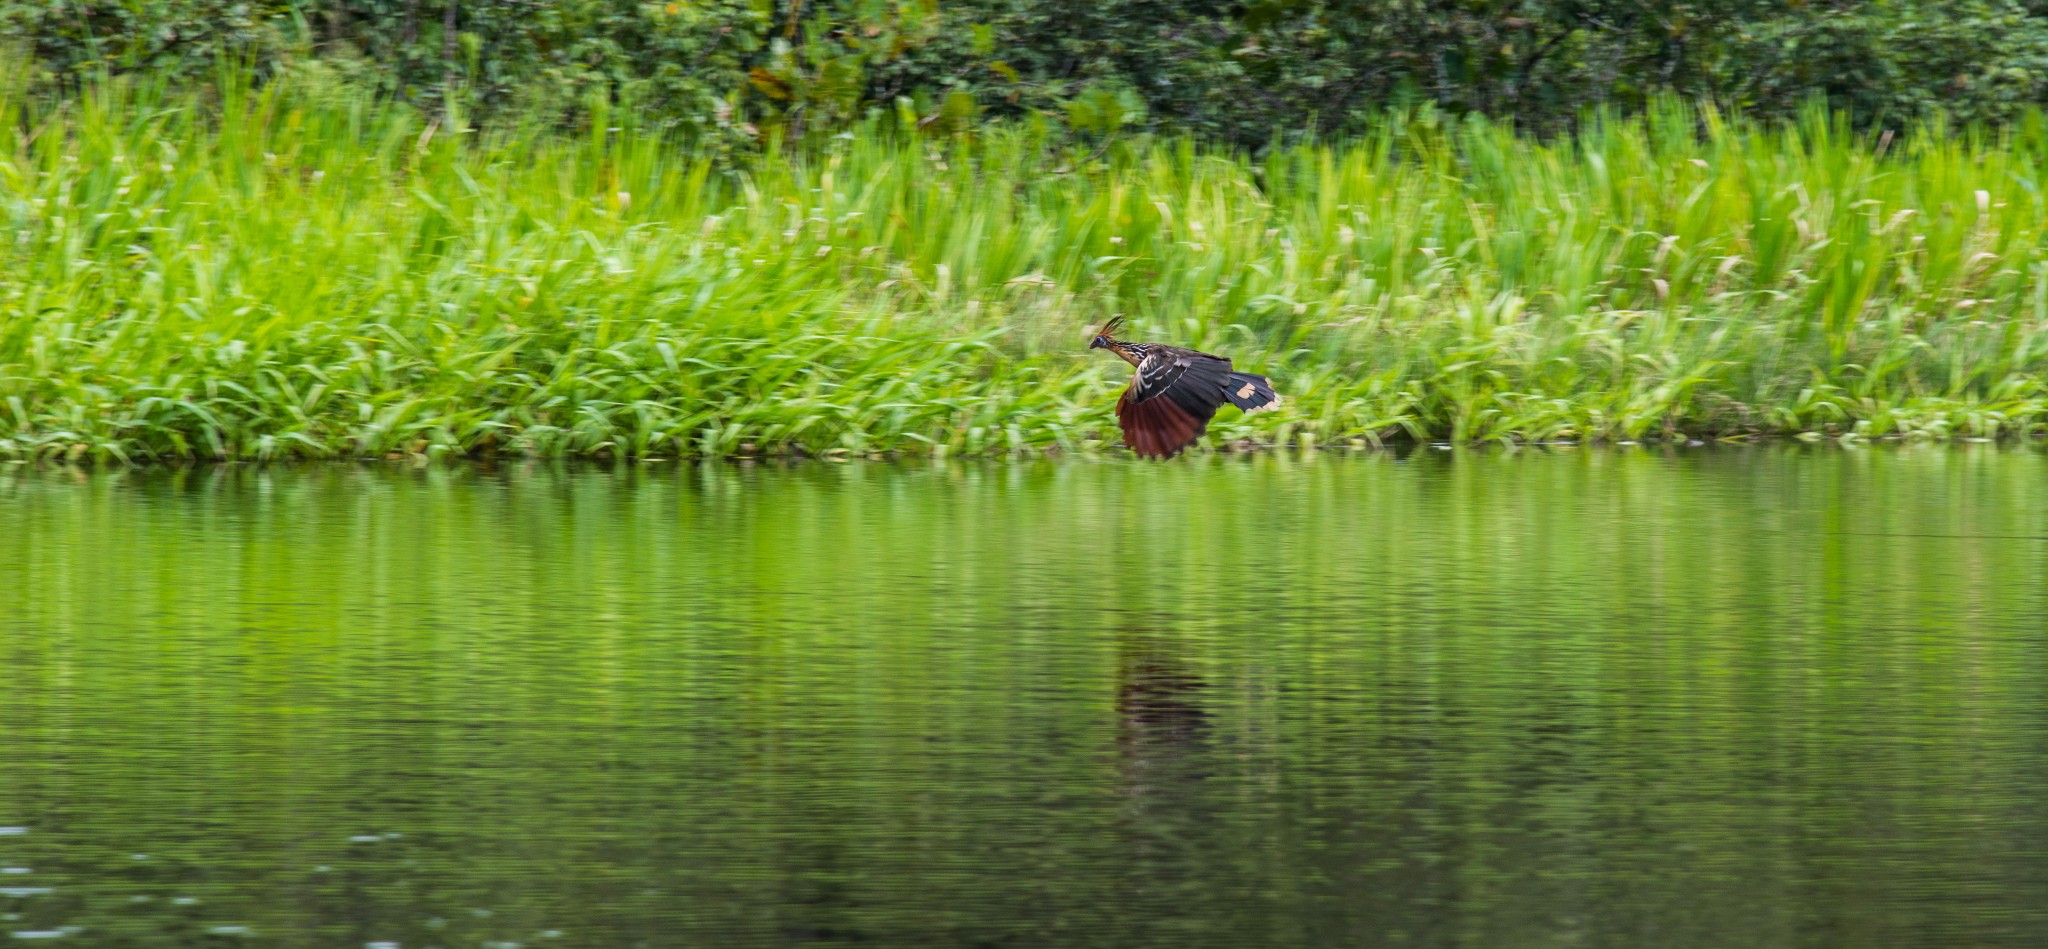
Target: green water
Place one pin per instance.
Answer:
(1720, 697)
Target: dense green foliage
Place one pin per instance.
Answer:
(732, 71)
(306, 273)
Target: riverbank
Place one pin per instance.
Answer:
(297, 275)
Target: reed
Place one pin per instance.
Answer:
(300, 271)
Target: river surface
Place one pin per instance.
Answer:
(1777, 696)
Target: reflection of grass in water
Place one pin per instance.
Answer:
(319, 276)
(1517, 698)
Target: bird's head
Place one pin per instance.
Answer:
(1103, 338)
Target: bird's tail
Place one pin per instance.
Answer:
(1250, 393)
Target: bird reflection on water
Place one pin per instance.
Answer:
(1162, 729)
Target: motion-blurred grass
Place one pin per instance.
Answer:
(302, 272)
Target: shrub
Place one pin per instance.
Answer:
(734, 71)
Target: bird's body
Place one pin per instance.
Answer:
(1176, 392)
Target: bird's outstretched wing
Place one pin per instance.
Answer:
(1174, 395)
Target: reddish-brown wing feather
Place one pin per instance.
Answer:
(1157, 428)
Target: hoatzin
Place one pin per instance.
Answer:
(1176, 392)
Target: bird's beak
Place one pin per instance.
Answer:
(1097, 343)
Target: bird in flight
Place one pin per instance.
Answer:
(1176, 392)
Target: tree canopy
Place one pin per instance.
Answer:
(1233, 71)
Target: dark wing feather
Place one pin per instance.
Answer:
(1175, 394)
(1170, 402)
(1168, 368)
(1159, 428)
(1197, 382)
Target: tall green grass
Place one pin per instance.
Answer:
(294, 272)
